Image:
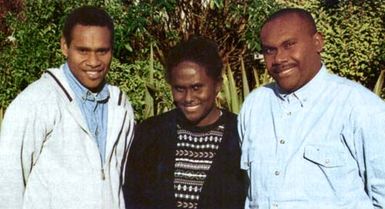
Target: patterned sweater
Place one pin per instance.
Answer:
(150, 172)
(195, 151)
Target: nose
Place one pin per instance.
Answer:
(188, 98)
(93, 60)
(280, 56)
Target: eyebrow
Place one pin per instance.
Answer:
(265, 47)
(189, 86)
(282, 43)
(91, 49)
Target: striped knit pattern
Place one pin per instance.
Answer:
(193, 158)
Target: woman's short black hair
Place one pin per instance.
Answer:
(199, 50)
(87, 16)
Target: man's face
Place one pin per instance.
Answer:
(291, 51)
(89, 55)
(194, 93)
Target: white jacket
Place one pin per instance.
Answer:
(48, 157)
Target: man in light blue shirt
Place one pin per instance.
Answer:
(94, 109)
(311, 140)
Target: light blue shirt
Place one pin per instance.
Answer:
(320, 147)
(93, 108)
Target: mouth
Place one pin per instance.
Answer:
(190, 108)
(283, 70)
(94, 74)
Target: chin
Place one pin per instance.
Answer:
(192, 119)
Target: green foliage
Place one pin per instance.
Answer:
(353, 40)
(145, 30)
(379, 84)
(258, 11)
(231, 92)
(1, 115)
(232, 96)
(135, 79)
(33, 46)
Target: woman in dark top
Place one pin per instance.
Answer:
(188, 157)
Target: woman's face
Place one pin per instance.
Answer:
(194, 93)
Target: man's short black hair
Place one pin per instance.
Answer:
(87, 16)
(199, 50)
(303, 14)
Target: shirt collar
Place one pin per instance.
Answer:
(81, 91)
(310, 90)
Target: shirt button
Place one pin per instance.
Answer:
(282, 141)
(276, 173)
(275, 205)
(288, 113)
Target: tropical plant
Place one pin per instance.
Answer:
(143, 83)
(378, 88)
(145, 30)
(232, 96)
(1, 116)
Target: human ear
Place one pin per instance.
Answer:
(218, 86)
(64, 47)
(318, 41)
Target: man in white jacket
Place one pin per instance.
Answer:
(65, 138)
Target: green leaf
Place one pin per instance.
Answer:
(379, 84)
(245, 83)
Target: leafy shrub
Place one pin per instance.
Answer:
(354, 47)
(353, 40)
(33, 46)
(135, 79)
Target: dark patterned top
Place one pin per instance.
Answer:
(195, 152)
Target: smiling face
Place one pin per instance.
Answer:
(89, 55)
(194, 93)
(291, 51)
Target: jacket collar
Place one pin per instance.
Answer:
(117, 112)
(81, 92)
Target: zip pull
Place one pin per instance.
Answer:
(103, 174)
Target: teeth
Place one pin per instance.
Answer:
(93, 74)
(284, 70)
(191, 108)
(286, 67)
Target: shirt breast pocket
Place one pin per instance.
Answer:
(325, 156)
(332, 173)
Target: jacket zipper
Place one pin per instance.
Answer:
(103, 174)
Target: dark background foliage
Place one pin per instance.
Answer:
(30, 31)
